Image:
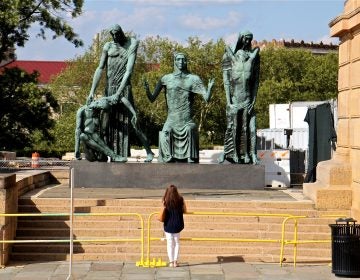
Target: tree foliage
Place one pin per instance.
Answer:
(25, 110)
(289, 75)
(16, 17)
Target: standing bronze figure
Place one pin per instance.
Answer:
(118, 57)
(241, 68)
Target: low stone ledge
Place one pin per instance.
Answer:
(8, 204)
(5, 155)
(7, 181)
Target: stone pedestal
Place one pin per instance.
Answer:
(160, 175)
(332, 189)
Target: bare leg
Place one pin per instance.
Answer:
(96, 143)
(145, 142)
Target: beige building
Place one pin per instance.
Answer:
(338, 182)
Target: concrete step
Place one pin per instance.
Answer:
(147, 210)
(228, 204)
(86, 248)
(55, 224)
(221, 225)
(79, 232)
(243, 249)
(33, 234)
(203, 220)
(316, 227)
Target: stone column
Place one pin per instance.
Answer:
(8, 204)
(338, 183)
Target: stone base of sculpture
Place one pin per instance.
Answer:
(160, 175)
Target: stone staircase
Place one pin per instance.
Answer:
(314, 227)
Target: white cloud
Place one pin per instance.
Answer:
(139, 17)
(93, 21)
(208, 23)
(147, 16)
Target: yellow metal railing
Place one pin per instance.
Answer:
(155, 263)
(158, 262)
(295, 240)
(282, 240)
(141, 239)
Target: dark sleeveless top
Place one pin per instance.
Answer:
(174, 220)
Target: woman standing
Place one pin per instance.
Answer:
(174, 205)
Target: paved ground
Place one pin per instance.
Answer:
(196, 271)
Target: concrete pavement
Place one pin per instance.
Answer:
(187, 271)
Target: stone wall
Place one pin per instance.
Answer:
(347, 28)
(338, 185)
(10, 190)
(8, 204)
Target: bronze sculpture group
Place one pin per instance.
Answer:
(102, 125)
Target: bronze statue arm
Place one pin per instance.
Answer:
(255, 78)
(79, 121)
(152, 96)
(227, 87)
(198, 87)
(131, 109)
(97, 74)
(208, 93)
(226, 67)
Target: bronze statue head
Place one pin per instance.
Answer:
(180, 62)
(117, 33)
(244, 41)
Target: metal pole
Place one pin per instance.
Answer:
(71, 222)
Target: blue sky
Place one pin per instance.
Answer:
(179, 19)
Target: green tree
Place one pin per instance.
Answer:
(288, 75)
(25, 110)
(16, 17)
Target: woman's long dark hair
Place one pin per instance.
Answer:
(172, 198)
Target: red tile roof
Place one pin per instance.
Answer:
(46, 69)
